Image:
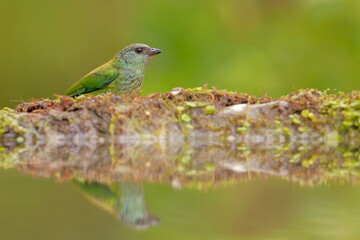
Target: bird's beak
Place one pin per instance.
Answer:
(154, 51)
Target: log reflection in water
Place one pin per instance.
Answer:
(204, 161)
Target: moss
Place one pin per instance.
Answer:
(180, 108)
(310, 116)
(20, 139)
(10, 122)
(307, 114)
(302, 129)
(195, 104)
(185, 118)
(241, 129)
(308, 162)
(210, 167)
(295, 158)
(295, 119)
(242, 148)
(185, 159)
(246, 124)
(209, 109)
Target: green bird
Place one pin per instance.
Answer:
(123, 74)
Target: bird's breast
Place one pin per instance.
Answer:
(128, 82)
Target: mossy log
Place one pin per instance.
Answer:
(185, 135)
(181, 114)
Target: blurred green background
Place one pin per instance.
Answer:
(255, 46)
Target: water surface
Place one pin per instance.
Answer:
(143, 190)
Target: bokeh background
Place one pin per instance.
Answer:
(253, 46)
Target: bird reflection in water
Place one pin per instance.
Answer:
(125, 200)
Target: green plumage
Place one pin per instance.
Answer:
(121, 75)
(97, 79)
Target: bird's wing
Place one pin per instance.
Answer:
(97, 79)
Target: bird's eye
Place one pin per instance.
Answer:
(139, 50)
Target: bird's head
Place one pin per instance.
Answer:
(137, 53)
